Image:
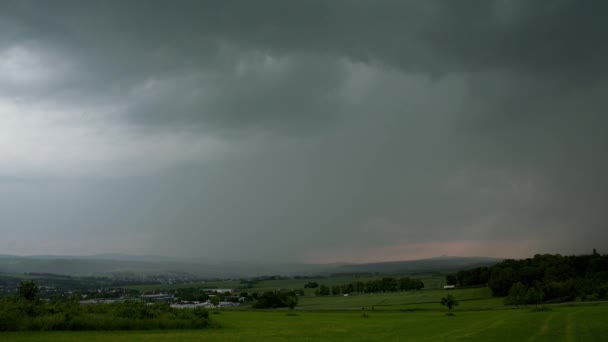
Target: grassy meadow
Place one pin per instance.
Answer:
(563, 323)
(398, 316)
(473, 298)
(391, 316)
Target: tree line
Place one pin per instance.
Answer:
(386, 284)
(543, 278)
(276, 299)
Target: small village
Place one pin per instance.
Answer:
(206, 298)
(170, 299)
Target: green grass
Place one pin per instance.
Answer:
(469, 298)
(573, 323)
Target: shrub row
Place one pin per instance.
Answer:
(19, 314)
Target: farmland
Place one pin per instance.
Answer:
(381, 311)
(431, 281)
(563, 323)
(474, 298)
(414, 315)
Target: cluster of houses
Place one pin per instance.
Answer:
(176, 303)
(206, 304)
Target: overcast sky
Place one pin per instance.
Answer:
(307, 131)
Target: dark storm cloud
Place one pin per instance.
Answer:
(119, 45)
(265, 91)
(398, 121)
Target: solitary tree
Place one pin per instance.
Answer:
(291, 302)
(449, 301)
(215, 300)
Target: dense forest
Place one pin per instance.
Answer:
(543, 278)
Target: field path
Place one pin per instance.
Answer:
(543, 328)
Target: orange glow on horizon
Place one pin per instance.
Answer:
(424, 250)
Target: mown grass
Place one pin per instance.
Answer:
(584, 323)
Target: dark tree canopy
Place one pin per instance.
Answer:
(276, 299)
(385, 284)
(449, 301)
(28, 290)
(546, 277)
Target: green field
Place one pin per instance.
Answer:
(398, 316)
(431, 281)
(564, 323)
(479, 298)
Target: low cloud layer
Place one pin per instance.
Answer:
(303, 131)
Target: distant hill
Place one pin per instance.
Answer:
(101, 266)
(440, 264)
(135, 266)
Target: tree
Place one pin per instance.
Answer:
(501, 280)
(311, 285)
(535, 296)
(276, 299)
(449, 301)
(291, 302)
(215, 300)
(335, 290)
(450, 279)
(322, 291)
(518, 294)
(28, 290)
